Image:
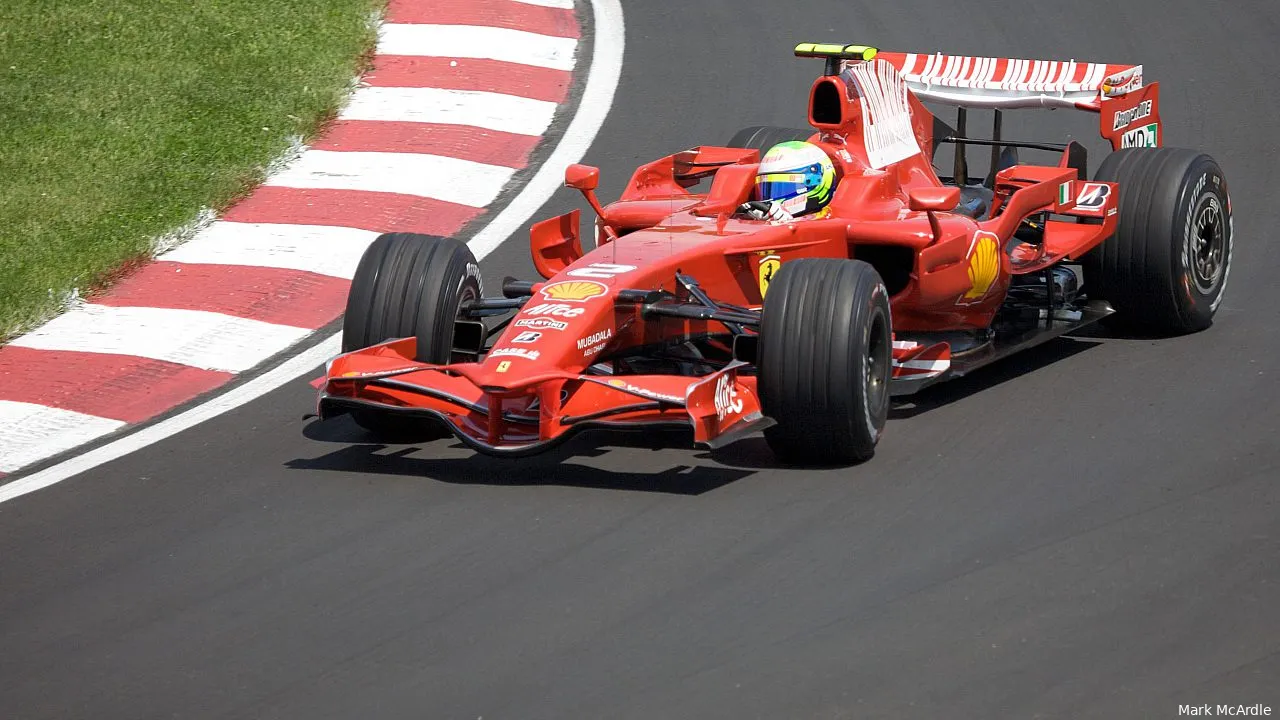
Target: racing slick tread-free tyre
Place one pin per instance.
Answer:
(408, 285)
(1166, 267)
(824, 360)
(763, 137)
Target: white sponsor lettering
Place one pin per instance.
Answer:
(1147, 136)
(542, 324)
(527, 337)
(1125, 118)
(594, 339)
(727, 400)
(601, 270)
(515, 352)
(554, 310)
(886, 113)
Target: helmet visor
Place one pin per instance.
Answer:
(780, 186)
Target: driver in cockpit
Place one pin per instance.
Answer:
(795, 179)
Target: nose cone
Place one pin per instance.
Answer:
(560, 328)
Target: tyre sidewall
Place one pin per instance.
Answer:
(1205, 187)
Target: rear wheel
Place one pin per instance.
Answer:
(763, 137)
(408, 285)
(1166, 267)
(825, 359)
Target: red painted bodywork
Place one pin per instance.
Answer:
(677, 214)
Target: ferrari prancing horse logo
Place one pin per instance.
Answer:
(769, 265)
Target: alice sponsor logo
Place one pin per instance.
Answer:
(1125, 118)
(727, 400)
(554, 310)
(515, 352)
(594, 339)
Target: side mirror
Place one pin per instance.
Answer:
(582, 177)
(586, 179)
(933, 199)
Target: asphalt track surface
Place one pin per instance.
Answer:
(1089, 530)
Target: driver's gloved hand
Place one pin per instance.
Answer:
(764, 210)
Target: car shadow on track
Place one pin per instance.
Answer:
(556, 467)
(753, 453)
(985, 378)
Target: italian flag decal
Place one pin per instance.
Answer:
(1064, 193)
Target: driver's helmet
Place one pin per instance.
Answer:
(799, 175)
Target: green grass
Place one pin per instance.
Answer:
(121, 119)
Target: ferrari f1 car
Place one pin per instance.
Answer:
(691, 313)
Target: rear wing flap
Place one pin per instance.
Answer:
(1129, 111)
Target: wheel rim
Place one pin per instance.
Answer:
(466, 294)
(1207, 245)
(876, 383)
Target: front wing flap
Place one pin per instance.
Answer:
(719, 408)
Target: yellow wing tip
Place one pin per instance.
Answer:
(844, 52)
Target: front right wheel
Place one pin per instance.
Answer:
(408, 285)
(825, 360)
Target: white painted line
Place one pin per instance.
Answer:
(321, 249)
(602, 82)
(478, 41)
(34, 432)
(562, 4)
(464, 182)
(207, 340)
(491, 111)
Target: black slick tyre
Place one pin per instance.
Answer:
(1166, 268)
(824, 361)
(408, 285)
(763, 137)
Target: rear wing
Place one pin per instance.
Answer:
(1129, 110)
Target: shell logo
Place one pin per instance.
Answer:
(984, 266)
(573, 291)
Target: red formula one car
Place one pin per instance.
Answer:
(701, 309)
